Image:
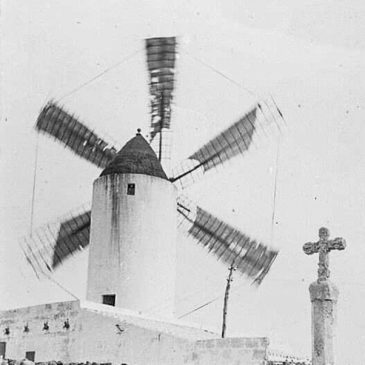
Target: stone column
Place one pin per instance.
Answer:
(323, 296)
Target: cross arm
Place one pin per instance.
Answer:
(310, 248)
(337, 244)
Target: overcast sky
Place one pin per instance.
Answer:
(308, 55)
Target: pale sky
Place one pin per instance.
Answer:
(308, 55)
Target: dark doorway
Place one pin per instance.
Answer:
(30, 355)
(2, 349)
(109, 299)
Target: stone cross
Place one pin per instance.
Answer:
(324, 295)
(324, 246)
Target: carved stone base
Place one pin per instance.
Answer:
(324, 295)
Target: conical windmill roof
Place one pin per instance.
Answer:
(136, 157)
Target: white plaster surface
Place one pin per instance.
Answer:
(107, 334)
(57, 341)
(133, 243)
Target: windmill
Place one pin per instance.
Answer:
(50, 246)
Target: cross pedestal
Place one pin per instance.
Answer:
(323, 295)
(324, 301)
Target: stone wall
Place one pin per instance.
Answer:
(46, 343)
(103, 334)
(237, 351)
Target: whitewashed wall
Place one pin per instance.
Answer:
(106, 334)
(57, 341)
(133, 243)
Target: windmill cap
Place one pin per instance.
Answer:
(136, 157)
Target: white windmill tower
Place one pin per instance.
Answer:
(132, 250)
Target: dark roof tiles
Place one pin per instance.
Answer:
(136, 157)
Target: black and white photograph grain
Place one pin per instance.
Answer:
(182, 182)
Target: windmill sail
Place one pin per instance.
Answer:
(227, 243)
(235, 140)
(51, 245)
(231, 142)
(161, 56)
(73, 235)
(65, 128)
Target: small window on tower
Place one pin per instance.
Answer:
(109, 299)
(131, 189)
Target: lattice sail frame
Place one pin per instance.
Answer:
(227, 243)
(68, 130)
(233, 141)
(48, 246)
(161, 58)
